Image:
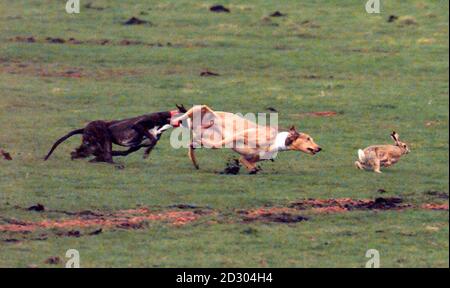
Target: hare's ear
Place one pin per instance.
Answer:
(394, 136)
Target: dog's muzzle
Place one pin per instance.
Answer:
(314, 151)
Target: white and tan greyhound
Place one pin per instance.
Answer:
(218, 129)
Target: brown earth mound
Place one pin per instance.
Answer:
(121, 219)
(348, 204)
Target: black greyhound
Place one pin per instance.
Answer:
(135, 133)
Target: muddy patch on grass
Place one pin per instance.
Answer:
(392, 18)
(133, 219)
(317, 114)
(136, 21)
(101, 42)
(437, 207)
(53, 260)
(273, 214)
(38, 208)
(91, 6)
(348, 204)
(219, 9)
(233, 166)
(208, 73)
(277, 14)
(89, 223)
(60, 71)
(437, 194)
(106, 42)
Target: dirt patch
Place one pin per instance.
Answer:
(37, 208)
(103, 42)
(317, 114)
(323, 114)
(233, 167)
(71, 233)
(88, 223)
(219, 9)
(208, 73)
(392, 18)
(55, 40)
(23, 39)
(134, 219)
(74, 41)
(90, 6)
(54, 260)
(274, 214)
(348, 204)
(438, 207)
(184, 206)
(57, 70)
(437, 194)
(277, 14)
(136, 21)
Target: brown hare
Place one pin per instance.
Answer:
(377, 156)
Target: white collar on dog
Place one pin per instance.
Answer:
(280, 141)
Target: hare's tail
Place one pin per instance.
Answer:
(361, 156)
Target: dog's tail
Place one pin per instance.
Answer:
(74, 132)
(361, 156)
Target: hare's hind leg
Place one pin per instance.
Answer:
(359, 165)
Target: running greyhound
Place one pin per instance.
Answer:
(252, 141)
(135, 133)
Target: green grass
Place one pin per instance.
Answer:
(380, 76)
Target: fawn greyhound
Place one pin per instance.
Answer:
(252, 141)
(377, 156)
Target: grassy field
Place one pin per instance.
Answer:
(377, 75)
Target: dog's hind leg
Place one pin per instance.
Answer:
(251, 166)
(99, 139)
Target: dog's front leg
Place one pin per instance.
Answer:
(191, 155)
(149, 150)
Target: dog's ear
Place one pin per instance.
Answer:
(293, 135)
(181, 108)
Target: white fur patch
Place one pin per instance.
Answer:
(361, 155)
(280, 141)
(155, 131)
